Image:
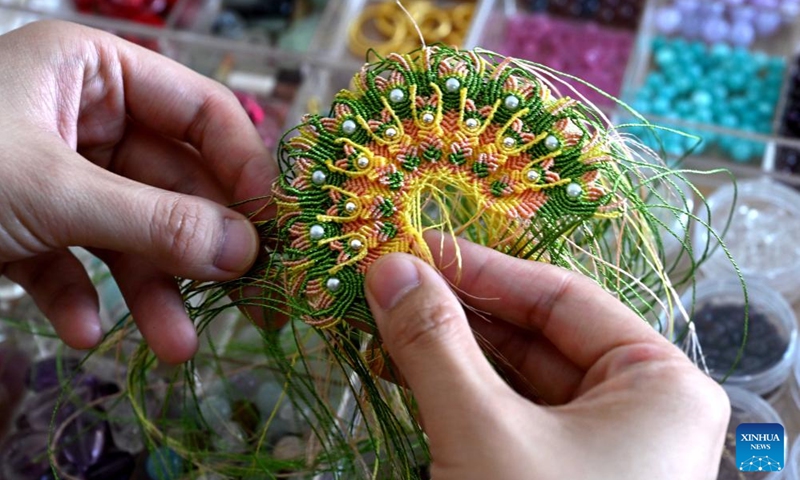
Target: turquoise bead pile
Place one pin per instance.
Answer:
(715, 85)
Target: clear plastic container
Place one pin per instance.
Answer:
(792, 471)
(746, 407)
(762, 237)
(770, 351)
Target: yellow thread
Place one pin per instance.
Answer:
(543, 186)
(608, 216)
(349, 173)
(339, 190)
(354, 259)
(478, 132)
(335, 219)
(544, 158)
(301, 266)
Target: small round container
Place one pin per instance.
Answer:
(792, 471)
(718, 319)
(762, 237)
(746, 407)
(795, 385)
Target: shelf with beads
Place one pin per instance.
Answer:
(723, 92)
(761, 24)
(578, 38)
(624, 14)
(289, 25)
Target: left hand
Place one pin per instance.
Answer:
(110, 146)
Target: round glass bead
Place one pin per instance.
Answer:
(348, 127)
(551, 142)
(362, 162)
(742, 34)
(532, 175)
(427, 117)
(509, 142)
(356, 244)
(452, 85)
(668, 20)
(397, 95)
(471, 123)
(350, 207)
(511, 102)
(391, 132)
(333, 284)
(574, 190)
(715, 30)
(318, 177)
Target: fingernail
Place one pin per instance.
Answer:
(395, 278)
(238, 247)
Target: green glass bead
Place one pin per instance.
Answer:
(661, 106)
(741, 151)
(665, 57)
(702, 98)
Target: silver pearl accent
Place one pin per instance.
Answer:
(350, 207)
(348, 127)
(427, 117)
(397, 95)
(574, 190)
(452, 85)
(362, 162)
(318, 177)
(532, 175)
(333, 284)
(509, 142)
(551, 143)
(391, 132)
(316, 232)
(356, 244)
(471, 123)
(511, 102)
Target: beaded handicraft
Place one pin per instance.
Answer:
(437, 139)
(468, 143)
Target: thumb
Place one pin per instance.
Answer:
(425, 330)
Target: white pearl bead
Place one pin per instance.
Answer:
(362, 162)
(348, 127)
(471, 123)
(452, 85)
(511, 102)
(356, 244)
(532, 175)
(574, 190)
(350, 207)
(316, 232)
(397, 95)
(427, 117)
(551, 143)
(333, 284)
(318, 177)
(509, 142)
(391, 132)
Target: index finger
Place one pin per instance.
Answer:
(579, 318)
(179, 103)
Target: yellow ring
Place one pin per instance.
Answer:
(435, 25)
(359, 44)
(462, 16)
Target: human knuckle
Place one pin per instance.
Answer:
(185, 228)
(424, 325)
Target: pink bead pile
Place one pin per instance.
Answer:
(594, 53)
